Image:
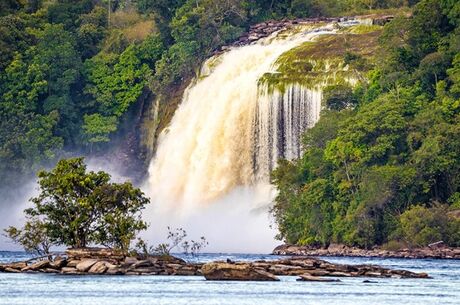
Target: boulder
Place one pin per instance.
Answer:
(58, 263)
(142, 263)
(69, 270)
(309, 278)
(218, 271)
(85, 265)
(98, 268)
(50, 270)
(73, 263)
(101, 253)
(280, 269)
(130, 260)
(39, 265)
(17, 265)
(115, 271)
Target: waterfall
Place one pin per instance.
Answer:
(280, 120)
(227, 132)
(211, 168)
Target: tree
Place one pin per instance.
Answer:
(32, 237)
(80, 207)
(97, 127)
(121, 222)
(116, 81)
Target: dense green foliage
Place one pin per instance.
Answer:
(78, 208)
(69, 74)
(383, 162)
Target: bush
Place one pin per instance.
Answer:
(339, 97)
(393, 245)
(420, 226)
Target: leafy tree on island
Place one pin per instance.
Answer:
(79, 208)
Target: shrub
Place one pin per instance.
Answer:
(420, 226)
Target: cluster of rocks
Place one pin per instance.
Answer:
(307, 269)
(265, 29)
(105, 261)
(436, 251)
(108, 262)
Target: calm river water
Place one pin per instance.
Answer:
(50, 289)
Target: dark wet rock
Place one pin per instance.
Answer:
(222, 271)
(58, 263)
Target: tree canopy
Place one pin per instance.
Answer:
(77, 208)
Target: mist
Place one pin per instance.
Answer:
(238, 222)
(12, 204)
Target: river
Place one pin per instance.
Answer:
(51, 289)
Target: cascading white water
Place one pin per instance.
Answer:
(213, 161)
(212, 140)
(280, 120)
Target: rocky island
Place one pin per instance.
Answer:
(102, 261)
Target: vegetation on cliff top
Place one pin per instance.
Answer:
(383, 162)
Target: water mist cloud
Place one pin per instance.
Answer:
(236, 223)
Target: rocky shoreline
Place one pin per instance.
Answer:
(94, 261)
(437, 251)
